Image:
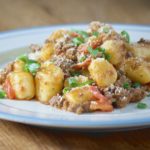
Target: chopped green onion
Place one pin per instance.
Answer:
(125, 35)
(23, 57)
(77, 41)
(32, 67)
(96, 33)
(75, 73)
(136, 85)
(101, 49)
(89, 82)
(66, 89)
(73, 82)
(82, 58)
(2, 94)
(141, 105)
(107, 56)
(84, 34)
(92, 51)
(106, 29)
(104, 54)
(126, 85)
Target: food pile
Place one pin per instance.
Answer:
(81, 71)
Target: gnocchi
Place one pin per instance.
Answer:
(22, 84)
(138, 70)
(116, 49)
(102, 72)
(49, 82)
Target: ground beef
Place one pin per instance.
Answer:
(95, 25)
(122, 78)
(137, 94)
(121, 96)
(144, 42)
(68, 50)
(5, 71)
(110, 35)
(63, 62)
(71, 54)
(59, 102)
(118, 95)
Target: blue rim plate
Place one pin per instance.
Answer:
(16, 42)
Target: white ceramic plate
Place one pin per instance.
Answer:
(14, 43)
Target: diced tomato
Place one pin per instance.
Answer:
(96, 43)
(83, 48)
(96, 105)
(74, 34)
(9, 90)
(101, 102)
(82, 65)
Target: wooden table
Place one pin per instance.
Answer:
(28, 13)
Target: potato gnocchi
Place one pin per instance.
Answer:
(81, 71)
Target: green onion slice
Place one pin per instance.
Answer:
(89, 82)
(96, 33)
(141, 105)
(126, 85)
(77, 41)
(31, 66)
(72, 82)
(23, 58)
(75, 73)
(84, 34)
(125, 35)
(92, 51)
(2, 94)
(66, 89)
(106, 29)
(82, 58)
(136, 85)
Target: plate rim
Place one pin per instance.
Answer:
(29, 29)
(56, 123)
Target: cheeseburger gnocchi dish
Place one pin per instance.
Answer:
(96, 69)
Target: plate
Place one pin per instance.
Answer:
(14, 43)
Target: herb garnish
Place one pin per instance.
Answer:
(125, 35)
(136, 85)
(74, 83)
(82, 58)
(66, 89)
(2, 94)
(77, 41)
(31, 66)
(96, 33)
(141, 105)
(92, 51)
(126, 85)
(106, 29)
(84, 34)
(95, 52)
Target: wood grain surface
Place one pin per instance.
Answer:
(27, 13)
